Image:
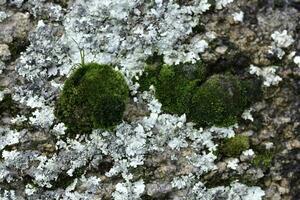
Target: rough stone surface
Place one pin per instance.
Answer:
(177, 160)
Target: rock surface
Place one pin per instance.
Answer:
(151, 155)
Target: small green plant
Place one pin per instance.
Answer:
(94, 96)
(263, 159)
(234, 146)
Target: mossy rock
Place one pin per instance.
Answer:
(233, 147)
(94, 96)
(218, 101)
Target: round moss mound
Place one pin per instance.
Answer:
(218, 101)
(94, 96)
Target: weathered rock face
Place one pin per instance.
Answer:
(151, 154)
(4, 52)
(280, 124)
(15, 27)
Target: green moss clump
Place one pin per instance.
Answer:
(94, 96)
(148, 78)
(173, 90)
(175, 85)
(263, 159)
(234, 146)
(219, 101)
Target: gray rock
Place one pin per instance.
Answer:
(4, 52)
(155, 189)
(2, 2)
(16, 26)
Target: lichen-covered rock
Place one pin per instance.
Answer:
(157, 151)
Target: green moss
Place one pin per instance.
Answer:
(234, 146)
(148, 78)
(218, 101)
(175, 85)
(94, 96)
(263, 159)
(173, 91)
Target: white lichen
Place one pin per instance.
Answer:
(248, 153)
(9, 137)
(43, 117)
(233, 163)
(267, 73)
(297, 60)
(222, 3)
(129, 191)
(238, 16)
(247, 115)
(282, 39)
(3, 16)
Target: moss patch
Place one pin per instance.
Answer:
(173, 84)
(263, 159)
(148, 78)
(174, 90)
(233, 147)
(94, 96)
(217, 99)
